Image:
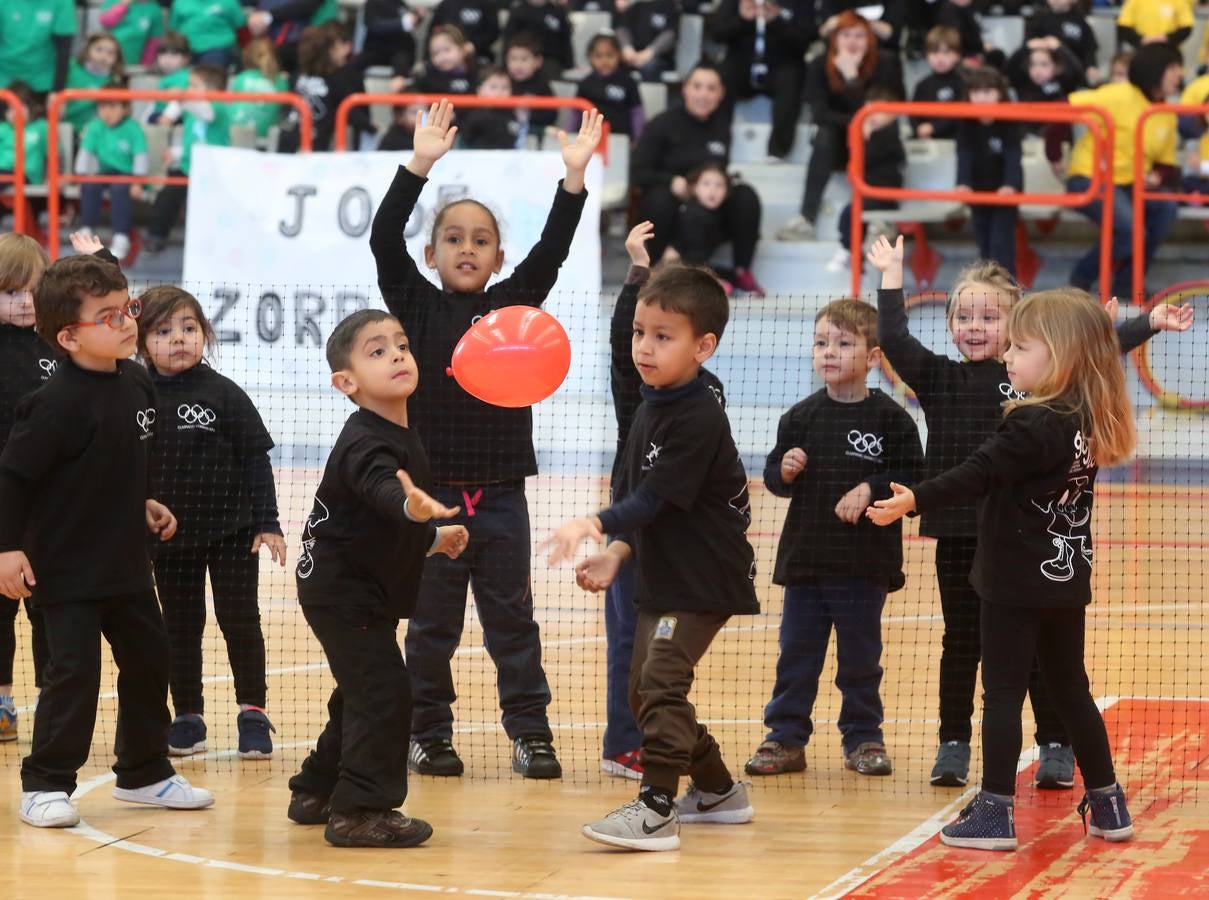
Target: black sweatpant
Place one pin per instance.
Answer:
(828, 154)
(961, 650)
(739, 220)
(783, 84)
(167, 208)
(8, 639)
(1012, 637)
(67, 709)
(180, 575)
(360, 759)
(995, 231)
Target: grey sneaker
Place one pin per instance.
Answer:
(952, 767)
(636, 826)
(869, 758)
(1057, 769)
(773, 758)
(731, 808)
(796, 229)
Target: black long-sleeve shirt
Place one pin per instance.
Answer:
(836, 108)
(1033, 481)
(431, 80)
(478, 20)
(548, 23)
(870, 442)
(324, 94)
(536, 85)
(359, 547)
(650, 22)
(785, 37)
(947, 88)
(1070, 27)
(965, 20)
(211, 461)
(616, 96)
(990, 156)
(675, 142)
(488, 129)
(885, 157)
(467, 440)
(962, 401)
(26, 363)
(389, 40)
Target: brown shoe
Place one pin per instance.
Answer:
(376, 828)
(309, 809)
(870, 758)
(775, 758)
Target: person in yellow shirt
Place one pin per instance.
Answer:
(1155, 73)
(1197, 167)
(1154, 22)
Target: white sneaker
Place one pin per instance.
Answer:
(796, 229)
(636, 826)
(120, 246)
(171, 793)
(48, 809)
(731, 808)
(840, 261)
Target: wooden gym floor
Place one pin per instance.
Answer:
(825, 832)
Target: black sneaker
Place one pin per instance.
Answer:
(434, 758)
(533, 757)
(254, 741)
(187, 735)
(376, 828)
(309, 809)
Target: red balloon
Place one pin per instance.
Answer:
(513, 357)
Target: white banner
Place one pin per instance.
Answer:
(277, 247)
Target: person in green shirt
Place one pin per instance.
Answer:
(172, 62)
(211, 26)
(202, 122)
(99, 64)
(261, 74)
(35, 42)
(136, 24)
(113, 144)
(34, 164)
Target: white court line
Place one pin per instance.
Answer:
(87, 831)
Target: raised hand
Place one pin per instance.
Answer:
(887, 258)
(434, 137)
(420, 506)
(887, 512)
(577, 153)
(85, 242)
(275, 544)
(635, 243)
(1169, 317)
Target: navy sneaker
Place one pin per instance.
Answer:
(987, 823)
(1057, 769)
(254, 741)
(186, 735)
(1109, 816)
(533, 757)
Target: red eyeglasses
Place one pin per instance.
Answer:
(115, 318)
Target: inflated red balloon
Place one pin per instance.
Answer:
(515, 356)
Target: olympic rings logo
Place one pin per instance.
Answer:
(865, 443)
(145, 419)
(195, 414)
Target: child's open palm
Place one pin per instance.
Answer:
(435, 132)
(1169, 317)
(635, 243)
(578, 152)
(883, 255)
(420, 506)
(887, 512)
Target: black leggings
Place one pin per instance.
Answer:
(180, 575)
(961, 650)
(783, 85)
(829, 153)
(739, 220)
(1011, 637)
(8, 640)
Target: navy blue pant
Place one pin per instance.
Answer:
(1160, 217)
(621, 618)
(853, 606)
(496, 567)
(92, 196)
(995, 231)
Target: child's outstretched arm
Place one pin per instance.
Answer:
(624, 378)
(914, 363)
(1163, 317)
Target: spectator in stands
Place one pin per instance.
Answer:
(210, 26)
(526, 67)
(34, 138)
(1118, 67)
(647, 30)
(548, 21)
(261, 75)
(1154, 74)
(676, 142)
(486, 128)
(450, 66)
(137, 24)
(402, 130)
(836, 85)
(944, 84)
(887, 27)
(962, 16)
(479, 20)
(35, 42)
(99, 63)
(202, 122)
(287, 19)
(172, 62)
(699, 226)
(325, 78)
(113, 144)
(885, 164)
(766, 44)
(1045, 75)
(390, 27)
(990, 160)
(611, 87)
(1143, 22)
(1061, 22)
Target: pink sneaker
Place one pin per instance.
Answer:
(746, 281)
(623, 765)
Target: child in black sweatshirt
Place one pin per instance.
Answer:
(945, 84)
(481, 454)
(358, 574)
(211, 466)
(1061, 22)
(836, 452)
(449, 66)
(990, 159)
(647, 30)
(525, 63)
(548, 22)
(478, 20)
(612, 88)
(484, 128)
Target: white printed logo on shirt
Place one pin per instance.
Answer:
(996, 145)
(716, 148)
(651, 456)
(865, 446)
(145, 418)
(48, 367)
(194, 415)
(306, 562)
(471, 16)
(658, 20)
(1072, 31)
(553, 23)
(1009, 392)
(1070, 517)
(615, 92)
(946, 94)
(741, 503)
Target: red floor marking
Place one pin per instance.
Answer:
(1161, 751)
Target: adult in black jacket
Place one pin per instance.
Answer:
(479, 20)
(390, 27)
(676, 142)
(836, 85)
(765, 54)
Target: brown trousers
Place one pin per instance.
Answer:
(667, 648)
